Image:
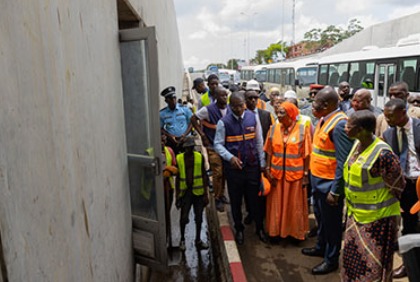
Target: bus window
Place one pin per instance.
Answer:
(408, 73)
(336, 72)
(323, 75)
(277, 76)
(355, 77)
(290, 76)
(368, 75)
(306, 75)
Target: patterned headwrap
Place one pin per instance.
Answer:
(291, 110)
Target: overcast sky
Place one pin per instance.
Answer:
(213, 31)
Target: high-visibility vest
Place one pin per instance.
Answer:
(168, 157)
(367, 197)
(305, 120)
(240, 139)
(287, 161)
(261, 104)
(205, 99)
(323, 162)
(198, 185)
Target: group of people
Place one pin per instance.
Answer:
(338, 149)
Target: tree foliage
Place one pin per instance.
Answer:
(271, 54)
(232, 64)
(331, 35)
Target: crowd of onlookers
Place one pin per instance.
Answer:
(279, 154)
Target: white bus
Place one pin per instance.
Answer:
(294, 75)
(373, 68)
(258, 73)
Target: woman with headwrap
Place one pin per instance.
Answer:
(288, 147)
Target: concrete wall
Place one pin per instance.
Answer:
(384, 34)
(64, 197)
(161, 14)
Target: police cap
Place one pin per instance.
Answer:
(168, 92)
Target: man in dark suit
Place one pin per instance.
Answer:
(266, 120)
(404, 138)
(331, 147)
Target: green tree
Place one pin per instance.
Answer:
(271, 54)
(232, 64)
(320, 39)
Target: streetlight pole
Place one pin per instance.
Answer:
(249, 33)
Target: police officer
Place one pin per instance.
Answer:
(174, 120)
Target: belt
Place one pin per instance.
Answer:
(411, 180)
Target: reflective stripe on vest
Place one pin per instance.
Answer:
(205, 99)
(198, 186)
(239, 138)
(368, 199)
(323, 162)
(168, 157)
(287, 161)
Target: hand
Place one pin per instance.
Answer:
(267, 174)
(236, 163)
(332, 200)
(181, 138)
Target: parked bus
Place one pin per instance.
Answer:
(294, 75)
(258, 73)
(374, 68)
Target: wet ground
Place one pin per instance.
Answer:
(191, 265)
(283, 261)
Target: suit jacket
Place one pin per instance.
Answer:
(266, 121)
(390, 137)
(382, 125)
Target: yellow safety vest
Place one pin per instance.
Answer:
(367, 197)
(205, 99)
(168, 157)
(198, 185)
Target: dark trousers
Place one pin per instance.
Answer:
(190, 200)
(329, 220)
(244, 183)
(408, 199)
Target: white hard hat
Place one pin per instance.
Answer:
(290, 94)
(253, 85)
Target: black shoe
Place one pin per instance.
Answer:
(248, 219)
(200, 245)
(312, 252)
(324, 268)
(263, 236)
(239, 237)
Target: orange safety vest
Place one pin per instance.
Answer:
(323, 161)
(261, 104)
(287, 160)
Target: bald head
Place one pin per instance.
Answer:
(326, 101)
(361, 99)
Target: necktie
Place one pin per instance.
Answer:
(404, 150)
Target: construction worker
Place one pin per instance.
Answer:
(191, 190)
(209, 116)
(209, 96)
(255, 85)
